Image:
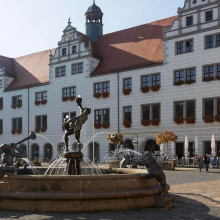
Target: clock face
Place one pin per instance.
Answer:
(68, 36)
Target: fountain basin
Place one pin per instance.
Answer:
(80, 193)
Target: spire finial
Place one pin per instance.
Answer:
(69, 22)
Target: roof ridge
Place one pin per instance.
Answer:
(141, 25)
(6, 57)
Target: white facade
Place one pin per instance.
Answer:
(166, 96)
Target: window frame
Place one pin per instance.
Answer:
(60, 73)
(77, 68)
(42, 122)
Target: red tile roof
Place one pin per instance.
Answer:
(133, 47)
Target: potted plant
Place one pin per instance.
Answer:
(217, 118)
(190, 120)
(19, 104)
(43, 129)
(105, 94)
(105, 125)
(65, 99)
(181, 82)
(97, 95)
(37, 130)
(72, 98)
(178, 120)
(43, 102)
(13, 106)
(218, 77)
(37, 103)
(127, 124)
(208, 119)
(145, 122)
(13, 131)
(19, 131)
(207, 79)
(145, 89)
(1, 107)
(97, 126)
(126, 91)
(155, 122)
(1, 132)
(190, 81)
(155, 88)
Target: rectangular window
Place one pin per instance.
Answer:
(69, 114)
(179, 76)
(98, 115)
(180, 47)
(69, 92)
(74, 49)
(189, 46)
(1, 103)
(64, 52)
(190, 109)
(127, 83)
(41, 96)
(1, 83)
(1, 126)
(146, 112)
(155, 79)
(190, 74)
(218, 70)
(60, 71)
(209, 107)
(106, 86)
(209, 42)
(16, 124)
(127, 113)
(105, 113)
(98, 88)
(218, 40)
(156, 111)
(189, 21)
(209, 71)
(218, 106)
(145, 81)
(77, 68)
(41, 122)
(16, 100)
(209, 16)
(179, 109)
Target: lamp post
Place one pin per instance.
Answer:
(135, 142)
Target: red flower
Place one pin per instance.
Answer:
(190, 120)
(1, 131)
(145, 89)
(13, 106)
(127, 91)
(105, 94)
(217, 118)
(65, 99)
(155, 88)
(178, 120)
(105, 125)
(72, 98)
(19, 105)
(37, 130)
(37, 103)
(19, 131)
(179, 83)
(155, 122)
(209, 78)
(43, 102)
(13, 131)
(97, 126)
(127, 124)
(97, 95)
(190, 81)
(208, 119)
(1, 107)
(145, 122)
(43, 129)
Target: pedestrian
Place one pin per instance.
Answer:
(210, 164)
(207, 162)
(200, 160)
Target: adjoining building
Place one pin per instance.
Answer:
(164, 75)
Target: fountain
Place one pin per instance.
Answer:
(123, 189)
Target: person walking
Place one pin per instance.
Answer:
(207, 162)
(200, 159)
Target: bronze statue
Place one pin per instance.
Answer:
(74, 125)
(154, 170)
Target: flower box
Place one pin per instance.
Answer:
(208, 79)
(19, 131)
(37, 103)
(208, 119)
(145, 89)
(13, 106)
(218, 77)
(127, 124)
(105, 125)
(37, 130)
(190, 81)
(97, 126)
(19, 105)
(1, 132)
(13, 131)
(178, 120)
(179, 83)
(72, 98)
(65, 99)
(43, 102)
(155, 88)
(97, 95)
(217, 118)
(127, 91)
(190, 120)
(145, 122)
(1, 107)
(43, 129)
(105, 94)
(155, 122)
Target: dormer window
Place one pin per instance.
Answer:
(64, 51)
(189, 21)
(209, 16)
(74, 49)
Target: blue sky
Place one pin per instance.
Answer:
(28, 26)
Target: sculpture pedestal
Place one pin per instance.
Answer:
(73, 162)
(6, 170)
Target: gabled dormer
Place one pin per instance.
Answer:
(195, 16)
(73, 45)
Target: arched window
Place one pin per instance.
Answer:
(96, 152)
(48, 152)
(151, 146)
(129, 143)
(23, 148)
(35, 151)
(60, 148)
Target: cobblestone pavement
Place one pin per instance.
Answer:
(195, 196)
